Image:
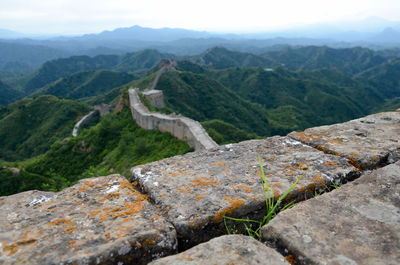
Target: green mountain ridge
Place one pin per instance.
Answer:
(8, 94)
(86, 84)
(29, 127)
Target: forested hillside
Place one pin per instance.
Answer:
(235, 95)
(29, 127)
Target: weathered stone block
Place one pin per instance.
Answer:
(226, 250)
(98, 221)
(368, 142)
(155, 97)
(359, 223)
(196, 190)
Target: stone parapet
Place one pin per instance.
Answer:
(180, 127)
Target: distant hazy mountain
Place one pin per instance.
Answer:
(147, 34)
(24, 56)
(388, 35)
(55, 69)
(9, 34)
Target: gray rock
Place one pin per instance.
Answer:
(359, 223)
(226, 250)
(100, 220)
(368, 142)
(196, 190)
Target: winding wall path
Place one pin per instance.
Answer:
(179, 126)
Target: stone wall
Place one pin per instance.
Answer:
(155, 97)
(179, 126)
(180, 202)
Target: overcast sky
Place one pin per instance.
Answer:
(90, 16)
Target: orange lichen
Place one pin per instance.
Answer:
(242, 187)
(331, 164)
(61, 221)
(291, 259)
(204, 181)
(199, 197)
(107, 235)
(288, 172)
(271, 157)
(335, 140)
(69, 229)
(318, 179)
(83, 188)
(185, 190)
(126, 185)
(227, 171)
(235, 203)
(113, 195)
(302, 136)
(12, 248)
(277, 194)
(354, 154)
(219, 164)
(137, 245)
(52, 209)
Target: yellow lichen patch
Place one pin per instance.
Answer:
(204, 181)
(183, 172)
(185, 190)
(61, 221)
(149, 241)
(291, 259)
(219, 164)
(277, 194)
(275, 185)
(288, 172)
(227, 171)
(335, 140)
(69, 229)
(331, 164)
(126, 185)
(242, 187)
(308, 189)
(113, 195)
(302, 136)
(83, 188)
(235, 203)
(11, 248)
(199, 197)
(319, 179)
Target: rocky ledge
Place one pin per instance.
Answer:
(180, 202)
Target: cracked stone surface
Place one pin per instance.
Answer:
(368, 142)
(359, 223)
(99, 220)
(196, 190)
(226, 250)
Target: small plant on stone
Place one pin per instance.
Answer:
(273, 207)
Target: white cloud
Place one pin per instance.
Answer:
(95, 15)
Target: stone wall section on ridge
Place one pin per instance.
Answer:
(181, 127)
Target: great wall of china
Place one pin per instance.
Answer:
(172, 211)
(179, 202)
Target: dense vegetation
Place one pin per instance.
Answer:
(8, 94)
(112, 146)
(236, 96)
(53, 70)
(29, 127)
(86, 84)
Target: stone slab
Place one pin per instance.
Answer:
(226, 250)
(359, 223)
(368, 142)
(98, 221)
(196, 190)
